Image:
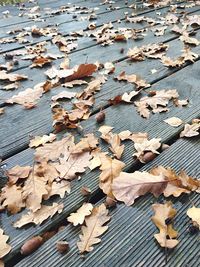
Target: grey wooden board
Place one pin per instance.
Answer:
(129, 239)
(65, 27)
(59, 18)
(85, 42)
(13, 20)
(17, 117)
(122, 117)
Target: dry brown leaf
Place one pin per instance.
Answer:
(54, 150)
(194, 214)
(78, 217)
(12, 198)
(93, 228)
(17, 173)
(29, 96)
(12, 86)
(12, 77)
(71, 164)
(146, 145)
(190, 130)
(2, 263)
(174, 121)
(2, 111)
(167, 235)
(40, 62)
(127, 97)
(40, 215)
(159, 98)
(129, 186)
(116, 146)
(41, 140)
(189, 40)
(133, 79)
(58, 188)
(74, 82)
(96, 160)
(63, 94)
(4, 248)
(88, 143)
(110, 168)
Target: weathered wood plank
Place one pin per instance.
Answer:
(129, 240)
(16, 117)
(122, 117)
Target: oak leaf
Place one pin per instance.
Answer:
(40, 62)
(12, 198)
(167, 235)
(194, 214)
(58, 188)
(129, 186)
(133, 79)
(40, 215)
(190, 130)
(78, 217)
(111, 169)
(4, 248)
(18, 172)
(12, 77)
(63, 94)
(88, 143)
(41, 140)
(93, 228)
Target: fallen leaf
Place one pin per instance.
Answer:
(174, 121)
(40, 62)
(93, 228)
(167, 235)
(126, 97)
(194, 214)
(129, 186)
(5, 248)
(41, 140)
(63, 94)
(40, 215)
(190, 130)
(133, 79)
(12, 77)
(79, 216)
(17, 173)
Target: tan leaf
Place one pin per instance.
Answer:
(133, 79)
(18, 172)
(147, 145)
(174, 121)
(167, 235)
(96, 160)
(93, 228)
(63, 94)
(2, 111)
(12, 198)
(116, 146)
(54, 150)
(2, 263)
(72, 164)
(11, 86)
(190, 130)
(40, 62)
(29, 96)
(126, 97)
(129, 186)
(12, 77)
(110, 168)
(58, 188)
(194, 214)
(40, 215)
(33, 191)
(4, 248)
(87, 143)
(41, 140)
(74, 82)
(189, 40)
(79, 216)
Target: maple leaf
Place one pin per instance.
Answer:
(38, 140)
(129, 186)
(4, 248)
(174, 121)
(146, 145)
(79, 216)
(18, 172)
(93, 228)
(194, 214)
(12, 77)
(63, 94)
(72, 164)
(167, 234)
(12, 198)
(40, 215)
(110, 168)
(27, 97)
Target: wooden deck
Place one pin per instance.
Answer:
(129, 241)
